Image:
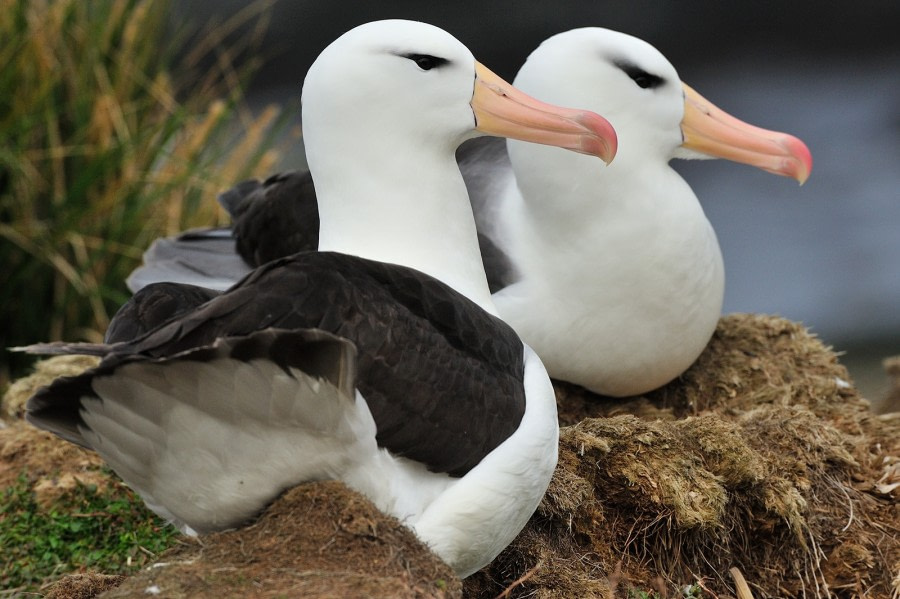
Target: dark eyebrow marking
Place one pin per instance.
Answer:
(641, 77)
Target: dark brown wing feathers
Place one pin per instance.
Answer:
(443, 379)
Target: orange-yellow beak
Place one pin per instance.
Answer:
(502, 110)
(712, 131)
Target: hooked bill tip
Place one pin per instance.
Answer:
(802, 162)
(602, 141)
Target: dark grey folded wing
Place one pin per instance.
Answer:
(442, 378)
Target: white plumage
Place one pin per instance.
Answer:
(618, 275)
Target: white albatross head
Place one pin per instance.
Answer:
(414, 82)
(656, 116)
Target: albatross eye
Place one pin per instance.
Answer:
(644, 81)
(426, 62)
(642, 78)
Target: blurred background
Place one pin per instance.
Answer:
(827, 253)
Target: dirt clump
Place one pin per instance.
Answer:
(82, 586)
(318, 540)
(48, 462)
(52, 466)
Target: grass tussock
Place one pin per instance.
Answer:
(115, 130)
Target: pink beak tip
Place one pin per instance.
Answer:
(604, 142)
(800, 152)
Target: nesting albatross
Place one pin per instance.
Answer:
(613, 275)
(378, 361)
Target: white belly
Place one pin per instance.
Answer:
(624, 310)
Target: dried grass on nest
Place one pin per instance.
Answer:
(50, 463)
(82, 586)
(53, 467)
(317, 540)
(45, 371)
(761, 456)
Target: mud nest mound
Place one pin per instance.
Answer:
(761, 457)
(318, 540)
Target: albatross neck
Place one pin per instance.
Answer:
(412, 212)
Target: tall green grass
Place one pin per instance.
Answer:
(114, 130)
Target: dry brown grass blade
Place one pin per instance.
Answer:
(740, 585)
(518, 582)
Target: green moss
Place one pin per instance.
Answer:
(109, 530)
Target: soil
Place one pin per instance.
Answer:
(761, 457)
(317, 540)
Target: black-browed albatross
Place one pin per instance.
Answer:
(378, 361)
(614, 274)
